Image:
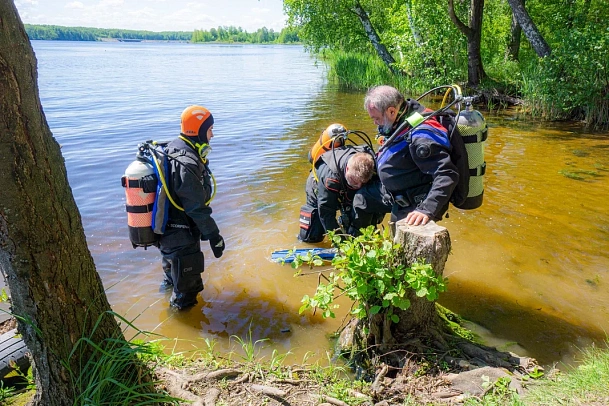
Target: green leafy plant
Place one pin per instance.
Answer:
(369, 270)
(536, 373)
(6, 392)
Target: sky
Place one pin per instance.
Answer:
(155, 15)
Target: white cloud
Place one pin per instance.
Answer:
(75, 4)
(154, 15)
(104, 3)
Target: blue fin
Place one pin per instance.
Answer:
(323, 253)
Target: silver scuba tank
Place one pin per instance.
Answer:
(474, 131)
(140, 183)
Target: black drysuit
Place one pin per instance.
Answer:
(417, 170)
(362, 207)
(189, 184)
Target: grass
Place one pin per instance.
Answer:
(587, 384)
(115, 373)
(358, 71)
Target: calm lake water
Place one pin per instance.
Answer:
(530, 267)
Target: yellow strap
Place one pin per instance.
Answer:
(164, 182)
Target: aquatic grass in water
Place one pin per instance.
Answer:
(580, 174)
(359, 71)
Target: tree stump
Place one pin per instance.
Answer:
(430, 244)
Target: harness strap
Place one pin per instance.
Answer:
(472, 139)
(133, 183)
(478, 171)
(140, 209)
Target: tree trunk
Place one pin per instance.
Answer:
(473, 33)
(430, 243)
(513, 48)
(416, 34)
(43, 251)
(374, 38)
(529, 28)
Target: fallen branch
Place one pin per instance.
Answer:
(290, 381)
(244, 378)
(376, 385)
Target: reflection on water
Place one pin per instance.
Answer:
(529, 267)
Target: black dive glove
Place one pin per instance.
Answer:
(216, 243)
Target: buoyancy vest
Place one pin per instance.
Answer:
(185, 162)
(397, 169)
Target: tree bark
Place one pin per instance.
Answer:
(416, 33)
(529, 28)
(43, 251)
(513, 48)
(374, 38)
(430, 243)
(473, 33)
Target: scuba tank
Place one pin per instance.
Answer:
(332, 137)
(140, 183)
(474, 131)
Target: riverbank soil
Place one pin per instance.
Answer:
(422, 378)
(421, 375)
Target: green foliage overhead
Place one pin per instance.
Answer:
(573, 83)
(368, 269)
(333, 24)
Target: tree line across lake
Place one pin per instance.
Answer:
(220, 34)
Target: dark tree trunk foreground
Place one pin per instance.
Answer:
(43, 251)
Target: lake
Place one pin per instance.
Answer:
(529, 268)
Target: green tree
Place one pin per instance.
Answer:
(473, 33)
(339, 25)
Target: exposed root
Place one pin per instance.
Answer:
(211, 397)
(332, 401)
(269, 391)
(377, 385)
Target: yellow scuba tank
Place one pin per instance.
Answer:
(140, 183)
(474, 131)
(332, 137)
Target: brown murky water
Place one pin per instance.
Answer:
(530, 267)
